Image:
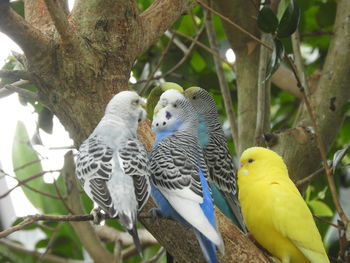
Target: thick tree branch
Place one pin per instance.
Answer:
(46, 257)
(247, 62)
(263, 96)
(333, 87)
(59, 18)
(27, 94)
(157, 19)
(285, 80)
(26, 36)
(225, 90)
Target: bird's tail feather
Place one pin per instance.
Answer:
(135, 237)
(208, 247)
(236, 210)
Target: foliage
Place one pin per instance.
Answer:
(197, 69)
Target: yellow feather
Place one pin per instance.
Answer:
(274, 211)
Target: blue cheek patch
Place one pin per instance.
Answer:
(167, 115)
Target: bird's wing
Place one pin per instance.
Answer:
(94, 169)
(174, 168)
(293, 219)
(220, 165)
(135, 164)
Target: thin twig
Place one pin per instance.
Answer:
(225, 90)
(48, 257)
(299, 61)
(310, 177)
(176, 41)
(27, 164)
(51, 242)
(25, 181)
(203, 46)
(62, 198)
(326, 221)
(27, 94)
(234, 24)
(156, 257)
(4, 92)
(145, 88)
(55, 218)
(321, 148)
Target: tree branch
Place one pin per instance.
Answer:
(285, 80)
(157, 19)
(263, 96)
(16, 74)
(299, 61)
(59, 18)
(110, 234)
(46, 257)
(27, 94)
(247, 61)
(225, 90)
(4, 92)
(26, 36)
(304, 156)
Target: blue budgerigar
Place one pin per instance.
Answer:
(219, 161)
(112, 165)
(178, 173)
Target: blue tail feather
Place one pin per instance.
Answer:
(208, 247)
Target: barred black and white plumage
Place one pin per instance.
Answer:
(174, 163)
(94, 169)
(112, 164)
(135, 164)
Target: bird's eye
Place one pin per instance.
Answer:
(194, 97)
(135, 102)
(175, 105)
(250, 160)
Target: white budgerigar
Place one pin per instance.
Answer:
(112, 165)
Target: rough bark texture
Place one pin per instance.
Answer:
(247, 64)
(79, 62)
(78, 71)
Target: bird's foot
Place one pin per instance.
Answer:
(97, 215)
(155, 214)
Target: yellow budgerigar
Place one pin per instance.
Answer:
(274, 211)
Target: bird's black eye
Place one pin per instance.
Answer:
(175, 105)
(250, 160)
(194, 97)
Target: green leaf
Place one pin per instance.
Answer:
(42, 243)
(275, 59)
(283, 5)
(290, 20)
(20, 220)
(267, 20)
(320, 208)
(197, 62)
(18, 6)
(25, 158)
(45, 121)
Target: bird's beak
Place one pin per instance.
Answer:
(143, 103)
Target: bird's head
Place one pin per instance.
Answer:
(172, 112)
(127, 105)
(155, 94)
(201, 100)
(259, 162)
